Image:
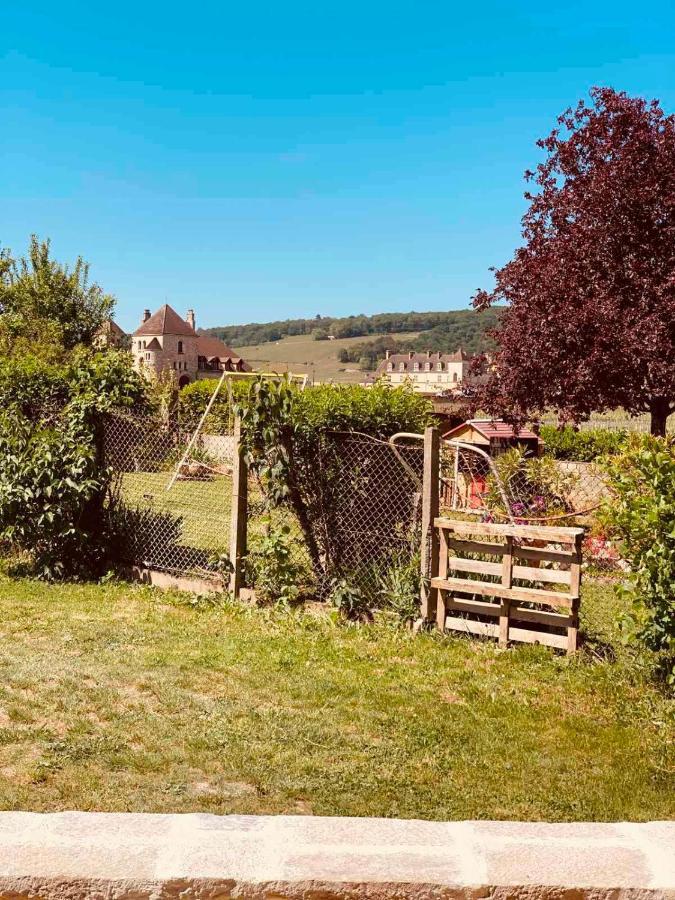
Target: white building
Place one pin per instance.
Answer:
(428, 373)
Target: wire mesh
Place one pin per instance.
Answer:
(184, 527)
(357, 519)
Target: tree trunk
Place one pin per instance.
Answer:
(660, 410)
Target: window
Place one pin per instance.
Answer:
(174, 365)
(147, 356)
(416, 367)
(454, 376)
(144, 345)
(427, 367)
(390, 367)
(439, 366)
(401, 367)
(180, 346)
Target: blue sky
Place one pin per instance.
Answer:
(272, 160)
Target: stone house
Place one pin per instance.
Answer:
(110, 335)
(166, 341)
(428, 373)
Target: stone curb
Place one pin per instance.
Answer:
(138, 855)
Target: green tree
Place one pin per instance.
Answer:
(43, 301)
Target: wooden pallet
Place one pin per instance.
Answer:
(498, 604)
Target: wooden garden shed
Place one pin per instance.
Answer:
(494, 436)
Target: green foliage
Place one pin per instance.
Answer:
(399, 587)
(349, 599)
(581, 446)
(193, 400)
(46, 302)
(320, 334)
(378, 411)
(50, 482)
(535, 486)
(271, 567)
(467, 329)
(288, 437)
(52, 476)
(442, 330)
(642, 516)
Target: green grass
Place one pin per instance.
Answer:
(205, 506)
(302, 354)
(116, 697)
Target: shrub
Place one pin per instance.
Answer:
(642, 515)
(193, 400)
(581, 446)
(51, 486)
(53, 479)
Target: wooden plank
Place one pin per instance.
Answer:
(532, 532)
(507, 563)
(541, 617)
(525, 636)
(462, 547)
(463, 604)
(573, 629)
(443, 555)
(534, 554)
(470, 626)
(477, 566)
(441, 606)
(543, 553)
(552, 576)
(430, 505)
(239, 512)
(529, 595)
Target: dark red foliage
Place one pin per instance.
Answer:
(590, 322)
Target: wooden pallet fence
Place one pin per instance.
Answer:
(485, 596)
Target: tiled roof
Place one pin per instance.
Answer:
(409, 360)
(165, 321)
(212, 347)
(494, 428)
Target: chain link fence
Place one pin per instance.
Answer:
(356, 525)
(172, 510)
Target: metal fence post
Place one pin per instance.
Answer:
(239, 512)
(430, 504)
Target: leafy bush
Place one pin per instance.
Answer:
(535, 486)
(581, 446)
(51, 486)
(642, 516)
(271, 567)
(53, 479)
(193, 400)
(399, 587)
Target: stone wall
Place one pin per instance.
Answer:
(116, 855)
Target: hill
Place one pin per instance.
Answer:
(341, 349)
(462, 323)
(301, 353)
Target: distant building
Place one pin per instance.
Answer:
(428, 373)
(166, 341)
(110, 335)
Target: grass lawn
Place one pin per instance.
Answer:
(204, 506)
(116, 697)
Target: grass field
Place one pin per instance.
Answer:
(115, 697)
(301, 353)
